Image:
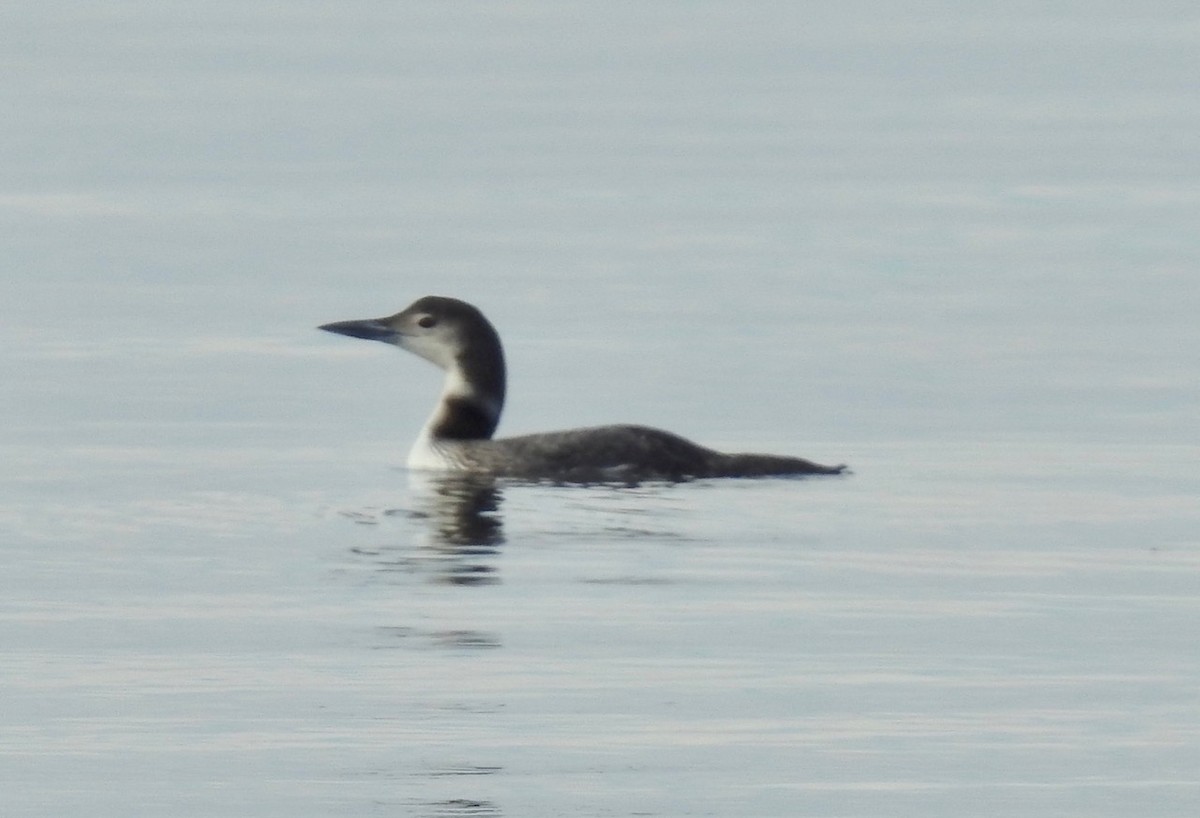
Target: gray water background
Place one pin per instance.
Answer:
(954, 247)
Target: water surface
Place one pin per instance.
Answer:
(953, 248)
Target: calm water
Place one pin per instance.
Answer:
(955, 249)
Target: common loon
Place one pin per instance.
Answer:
(457, 337)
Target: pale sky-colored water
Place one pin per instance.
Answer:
(955, 248)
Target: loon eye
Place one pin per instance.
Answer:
(426, 321)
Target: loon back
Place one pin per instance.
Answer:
(456, 337)
(619, 452)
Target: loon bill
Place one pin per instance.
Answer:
(457, 337)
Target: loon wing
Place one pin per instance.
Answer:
(626, 452)
(601, 452)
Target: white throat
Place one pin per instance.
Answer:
(460, 402)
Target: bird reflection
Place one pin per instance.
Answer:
(464, 528)
(458, 530)
(462, 509)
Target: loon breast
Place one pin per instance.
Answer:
(430, 455)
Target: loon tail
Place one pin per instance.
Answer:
(767, 465)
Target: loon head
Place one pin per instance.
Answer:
(456, 337)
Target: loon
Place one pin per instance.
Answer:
(456, 337)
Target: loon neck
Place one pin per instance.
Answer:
(472, 395)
